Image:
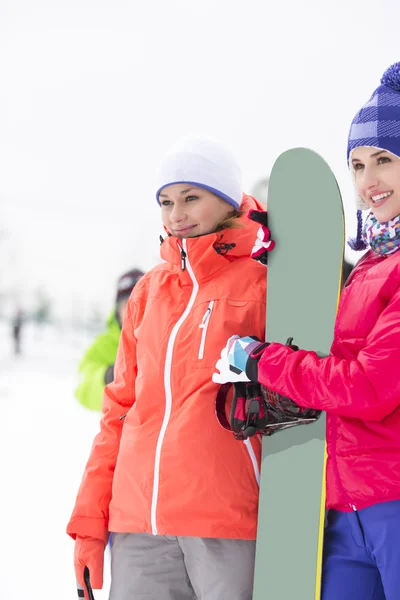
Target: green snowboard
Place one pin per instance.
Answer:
(305, 216)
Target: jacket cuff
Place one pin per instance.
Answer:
(88, 527)
(253, 360)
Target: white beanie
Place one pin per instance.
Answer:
(205, 164)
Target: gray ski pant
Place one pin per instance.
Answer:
(149, 567)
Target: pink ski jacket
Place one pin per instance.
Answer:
(358, 385)
(161, 463)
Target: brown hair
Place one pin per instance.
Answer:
(230, 221)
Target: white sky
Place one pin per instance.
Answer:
(94, 92)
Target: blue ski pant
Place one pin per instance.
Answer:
(362, 554)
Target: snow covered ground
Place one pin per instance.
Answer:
(44, 443)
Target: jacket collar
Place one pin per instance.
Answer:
(208, 254)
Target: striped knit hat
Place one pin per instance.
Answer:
(376, 124)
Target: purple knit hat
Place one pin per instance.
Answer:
(376, 124)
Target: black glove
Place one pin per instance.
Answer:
(109, 374)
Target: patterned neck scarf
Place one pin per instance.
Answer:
(383, 238)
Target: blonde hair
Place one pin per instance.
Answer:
(231, 221)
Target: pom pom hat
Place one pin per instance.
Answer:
(204, 164)
(376, 124)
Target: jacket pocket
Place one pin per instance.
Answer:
(212, 324)
(204, 327)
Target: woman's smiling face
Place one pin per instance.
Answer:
(190, 211)
(377, 175)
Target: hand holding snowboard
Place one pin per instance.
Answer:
(236, 360)
(255, 408)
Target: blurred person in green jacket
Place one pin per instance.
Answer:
(97, 365)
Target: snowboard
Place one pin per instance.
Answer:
(305, 216)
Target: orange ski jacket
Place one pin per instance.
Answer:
(161, 462)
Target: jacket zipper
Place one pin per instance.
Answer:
(183, 259)
(204, 326)
(167, 382)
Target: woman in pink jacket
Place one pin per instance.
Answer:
(358, 385)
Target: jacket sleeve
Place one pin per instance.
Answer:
(91, 387)
(367, 387)
(90, 514)
(97, 358)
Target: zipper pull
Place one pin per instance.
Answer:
(353, 507)
(205, 318)
(183, 260)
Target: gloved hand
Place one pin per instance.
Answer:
(237, 358)
(89, 553)
(109, 374)
(263, 244)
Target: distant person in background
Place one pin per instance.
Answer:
(16, 330)
(97, 365)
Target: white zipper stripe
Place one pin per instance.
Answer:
(204, 325)
(256, 468)
(168, 391)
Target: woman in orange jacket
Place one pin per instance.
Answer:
(178, 492)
